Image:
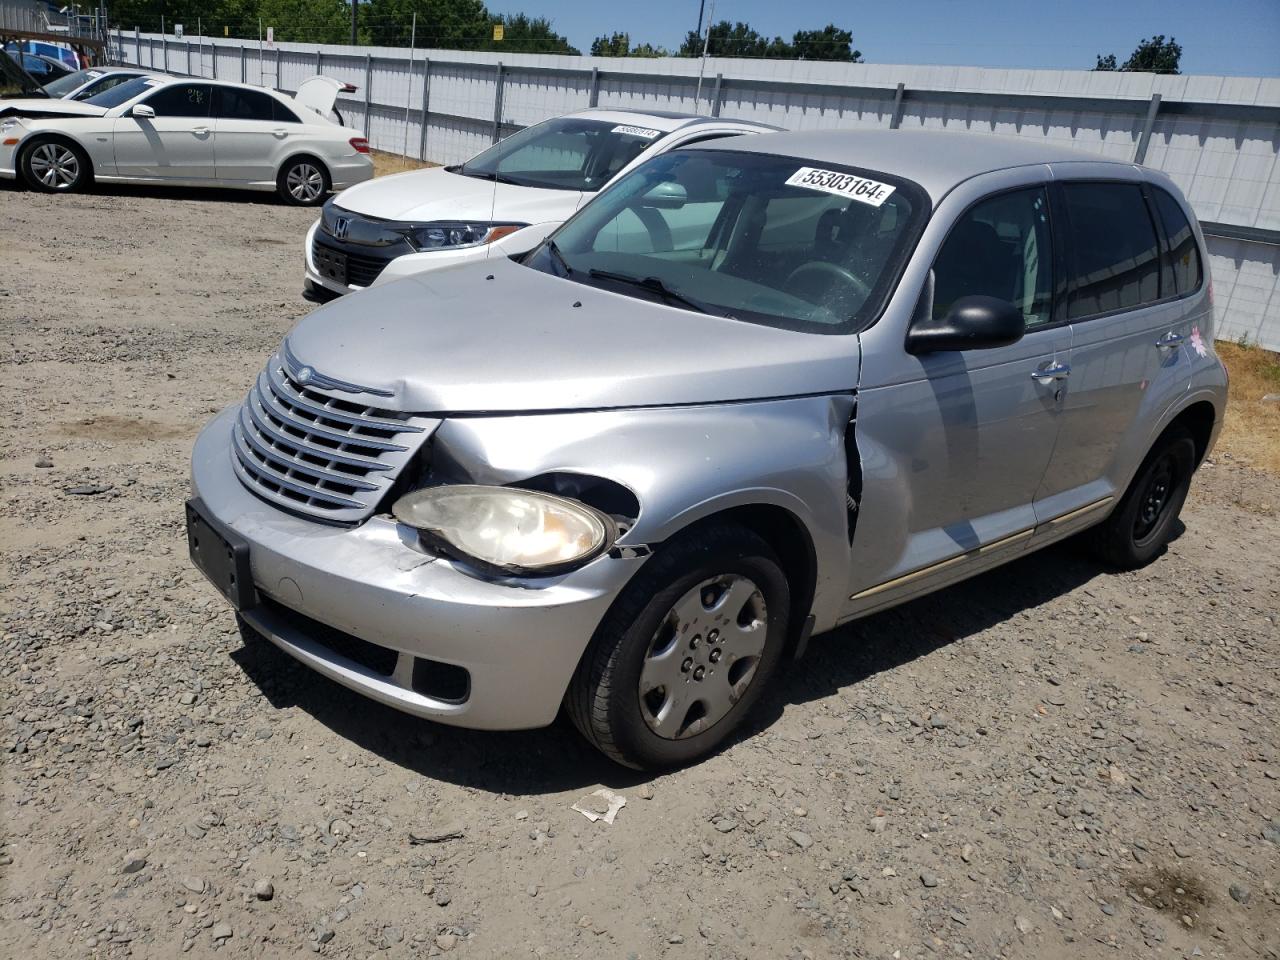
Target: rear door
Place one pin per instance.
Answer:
(247, 138)
(1130, 333)
(175, 144)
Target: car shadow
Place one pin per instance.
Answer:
(198, 194)
(555, 759)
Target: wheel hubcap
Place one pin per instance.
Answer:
(55, 166)
(304, 182)
(1154, 499)
(703, 657)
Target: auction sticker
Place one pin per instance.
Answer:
(841, 184)
(636, 131)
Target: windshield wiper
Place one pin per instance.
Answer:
(652, 284)
(495, 177)
(559, 257)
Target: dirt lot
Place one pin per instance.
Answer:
(1049, 761)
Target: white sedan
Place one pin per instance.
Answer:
(185, 132)
(80, 85)
(503, 201)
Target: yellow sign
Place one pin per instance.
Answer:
(226, 31)
(497, 31)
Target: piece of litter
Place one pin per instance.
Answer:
(602, 804)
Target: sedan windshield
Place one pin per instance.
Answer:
(789, 243)
(64, 85)
(566, 153)
(122, 93)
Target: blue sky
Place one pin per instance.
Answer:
(1234, 37)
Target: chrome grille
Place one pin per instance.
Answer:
(309, 451)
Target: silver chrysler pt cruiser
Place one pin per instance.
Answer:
(758, 388)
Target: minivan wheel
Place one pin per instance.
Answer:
(685, 651)
(55, 166)
(303, 182)
(1142, 522)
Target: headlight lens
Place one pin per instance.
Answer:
(437, 236)
(507, 529)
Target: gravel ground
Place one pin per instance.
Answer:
(1048, 761)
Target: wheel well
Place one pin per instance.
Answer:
(1198, 419)
(60, 138)
(284, 165)
(784, 532)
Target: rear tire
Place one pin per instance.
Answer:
(1142, 523)
(686, 650)
(303, 182)
(52, 165)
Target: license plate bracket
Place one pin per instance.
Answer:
(221, 554)
(330, 264)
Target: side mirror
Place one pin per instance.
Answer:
(142, 111)
(668, 195)
(973, 323)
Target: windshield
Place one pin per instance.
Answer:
(122, 93)
(765, 239)
(64, 85)
(566, 153)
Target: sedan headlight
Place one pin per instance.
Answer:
(507, 529)
(438, 236)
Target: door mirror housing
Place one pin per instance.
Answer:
(668, 195)
(973, 323)
(142, 111)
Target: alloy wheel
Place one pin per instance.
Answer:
(703, 656)
(55, 165)
(304, 182)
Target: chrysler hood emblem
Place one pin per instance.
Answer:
(306, 375)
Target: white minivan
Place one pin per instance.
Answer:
(502, 201)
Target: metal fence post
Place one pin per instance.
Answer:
(242, 73)
(213, 57)
(368, 92)
(277, 68)
(1140, 154)
(319, 61)
(595, 87)
(137, 44)
(497, 104)
(189, 73)
(715, 95)
(426, 106)
(164, 50)
(895, 119)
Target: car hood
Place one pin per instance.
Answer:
(421, 196)
(500, 337)
(39, 108)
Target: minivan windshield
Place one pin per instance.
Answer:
(785, 242)
(123, 93)
(567, 153)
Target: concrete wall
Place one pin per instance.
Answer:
(1217, 137)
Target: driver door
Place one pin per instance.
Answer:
(175, 144)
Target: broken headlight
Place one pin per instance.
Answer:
(506, 529)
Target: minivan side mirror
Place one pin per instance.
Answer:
(973, 323)
(142, 111)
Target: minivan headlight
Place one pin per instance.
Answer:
(507, 529)
(437, 236)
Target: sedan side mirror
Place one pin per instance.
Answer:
(142, 111)
(973, 323)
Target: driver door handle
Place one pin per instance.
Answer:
(279, 134)
(200, 131)
(1056, 371)
(1170, 339)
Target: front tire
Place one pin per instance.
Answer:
(1142, 523)
(686, 650)
(303, 182)
(51, 165)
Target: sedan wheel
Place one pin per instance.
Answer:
(304, 183)
(54, 167)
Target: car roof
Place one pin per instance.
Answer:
(938, 160)
(667, 121)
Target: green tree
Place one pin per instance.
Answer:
(524, 34)
(614, 45)
(306, 21)
(727, 39)
(829, 43)
(1156, 55)
(453, 24)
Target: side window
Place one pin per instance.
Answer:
(1115, 250)
(236, 104)
(282, 114)
(1000, 248)
(181, 100)
(1182, 260)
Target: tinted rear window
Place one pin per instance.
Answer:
(1183, 258)
(1115, 252)
(235, 104)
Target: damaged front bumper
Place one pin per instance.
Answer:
(518, 641)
